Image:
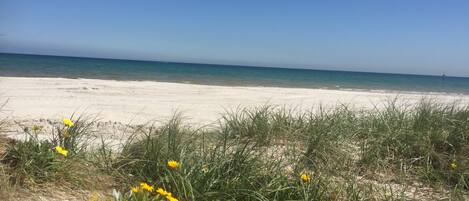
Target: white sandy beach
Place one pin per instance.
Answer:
(142, 101)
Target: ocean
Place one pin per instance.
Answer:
(21, 65)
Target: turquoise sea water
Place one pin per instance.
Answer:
(20, 65)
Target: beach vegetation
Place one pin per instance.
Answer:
(268, 153)
(36, 162)
(427, 140)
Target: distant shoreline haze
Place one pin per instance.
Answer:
(27, 65)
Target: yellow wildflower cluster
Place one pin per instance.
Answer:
(160, 191)
(166, 194)
(305, 177)
(146, 187)
(143, 186)
(135, 189)
(173, 164)
(68, 122)
(61, 150)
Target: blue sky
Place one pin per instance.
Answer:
(399, 36)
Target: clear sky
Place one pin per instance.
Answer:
(400, 36)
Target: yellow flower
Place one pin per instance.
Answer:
(68, 122)
(147, 187)
(166, 194)
(173, 164)
(171, 198)
(135, 189)
(162, 192)
(61, 150)
(305, 177)
(453, 165)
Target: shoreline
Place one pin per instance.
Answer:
(377, 90)
(144, 101)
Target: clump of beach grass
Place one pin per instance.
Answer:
(429, 140)
(36, 161)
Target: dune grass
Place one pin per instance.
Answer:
(60, 163)
(429, 140)
(36, 160)
(270, 153)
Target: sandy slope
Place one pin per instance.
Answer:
(140, 101)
